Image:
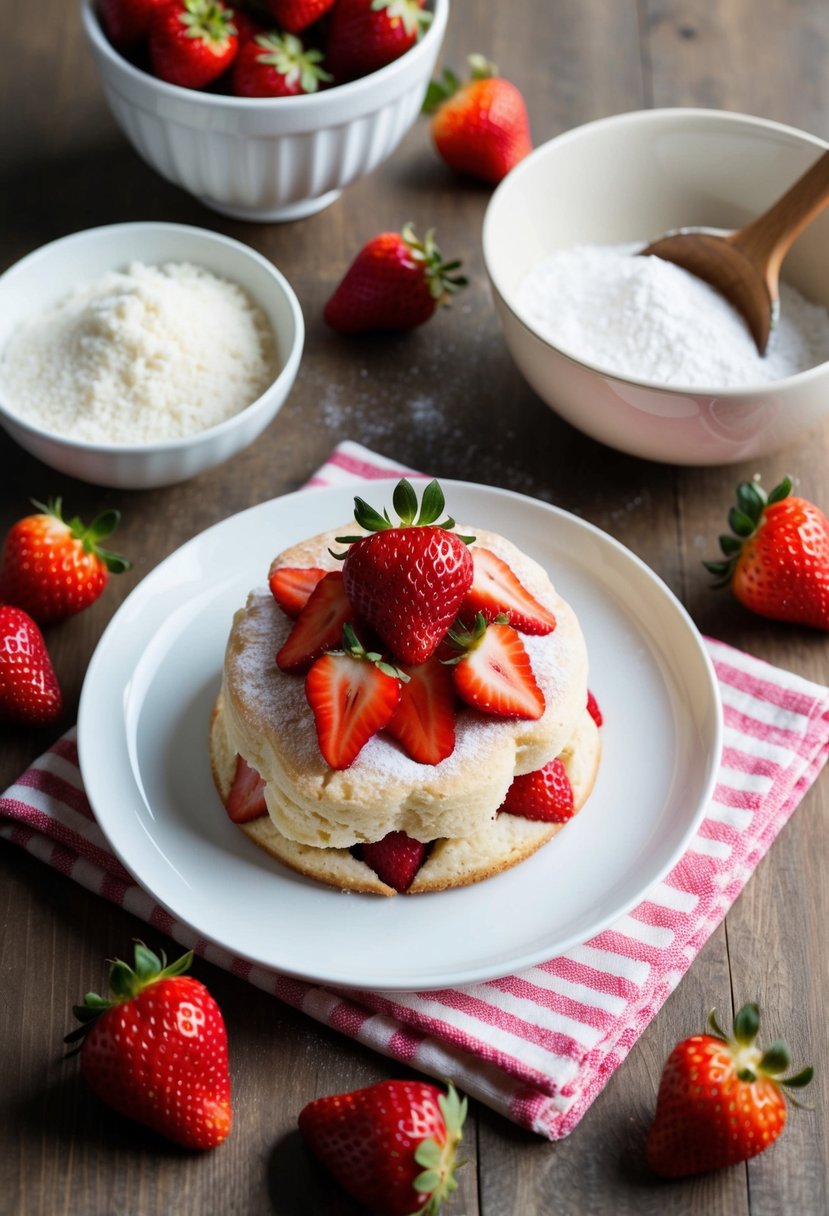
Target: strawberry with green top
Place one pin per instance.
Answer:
(392, 1146)
(721, 1099)
(776, 560)
(492, 670)
(395, 282)
(156, 1050)
(192, 42)
(365, 35)
(29, 691)
(277, 64)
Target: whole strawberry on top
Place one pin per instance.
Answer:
(365, 35)
(481, 127)
(29, 691)
(395, 282)
(721, 1099)
(392, 1146)
(192, 42)
(276, 65)
(54, 568)
(777, 560)
(156, 1050)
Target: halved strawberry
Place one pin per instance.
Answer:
(353, 694)
(319, 626)
(292, 585)
(395, 859)
(246, 800)
(593, 709)
(496, 590)
(424, 721)
(546, 795)
(493, 672)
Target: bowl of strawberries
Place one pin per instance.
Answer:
(265, 111)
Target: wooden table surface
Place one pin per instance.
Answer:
(448, 399)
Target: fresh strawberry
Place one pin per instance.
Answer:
(246, 800)
(395, 282)
(395, 859)
(291, 586)
(29, 690)
(391, 1146)
(353, 694)
(52, 568)
(319, 626)
(481, 127)
(593, 709)
(496, 591)
(721, 1100)
(407, 582)
(364, 35)
(156, 1050)
(777, 561)
(546, 795)
(276, 65)
(192, 42)
(127, 22)
(493, 672)
(294, 16)
(424, 721)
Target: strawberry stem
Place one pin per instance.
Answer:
(404, 500)
(744, 519)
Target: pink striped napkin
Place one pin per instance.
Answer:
(538, 1046)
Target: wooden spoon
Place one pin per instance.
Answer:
(745, 265)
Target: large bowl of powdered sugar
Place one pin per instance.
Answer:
(634, 351)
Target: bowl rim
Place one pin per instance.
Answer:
(287, 371)
(654, 117)
(350, 90)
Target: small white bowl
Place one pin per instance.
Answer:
(632, 178)
(51, 272)
(267, 159)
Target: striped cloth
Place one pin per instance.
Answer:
(538, 1046)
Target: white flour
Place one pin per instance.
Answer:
(649, 320)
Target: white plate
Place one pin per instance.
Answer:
(143, 727)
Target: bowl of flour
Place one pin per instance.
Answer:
(632, 350)
(139, 355)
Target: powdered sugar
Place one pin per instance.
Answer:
(646, 319)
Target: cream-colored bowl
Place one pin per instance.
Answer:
(48, 274)
(631, 178)
(267, 159)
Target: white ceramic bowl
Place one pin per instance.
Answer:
(260, 158)
(631, 178)
(49, 273)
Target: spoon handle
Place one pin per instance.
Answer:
(767, 240)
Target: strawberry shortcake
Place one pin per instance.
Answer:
(404, 707)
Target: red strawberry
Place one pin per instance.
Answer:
(29, 691)
(364, 35)
(296, 15)
(319, 626)
(395, 859)
(480, 128)
(777, 563)
(493, 672)
(53, 569)
(247, 27)
(546, 795)
(721, 1100)
(407, 582)
(156, 1051)
(424, 721)
(292, 585)
(276, 65)
(395, 282)
(353, 695)
(593, 709)
(246, 800)
(192, 42)
(496, 591)
(128, 21)
(391, 1146)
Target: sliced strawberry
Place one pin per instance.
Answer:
(424, 721)
(319, 626)
(493, 672)
(545, 794)
(353, 695)
(291, 586)
(496, 590)
(593, 709)
(246, 800)
(395, 859)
